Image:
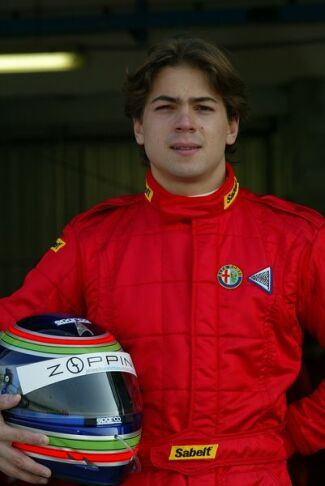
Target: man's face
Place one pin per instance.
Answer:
(184, 130)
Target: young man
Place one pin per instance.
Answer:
(207, 286)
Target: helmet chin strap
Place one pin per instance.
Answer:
(87, 461)
(135, 459)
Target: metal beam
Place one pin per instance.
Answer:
(142, 19)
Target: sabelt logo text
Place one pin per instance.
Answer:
(230, 197)
(208, 451)
(79, 364)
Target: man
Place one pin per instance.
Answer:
(207, 286)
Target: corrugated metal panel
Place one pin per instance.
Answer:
(43, 186)
(252, 170)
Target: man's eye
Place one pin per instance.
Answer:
(164, 107)
(204, 108)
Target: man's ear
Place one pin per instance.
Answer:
(138, 131)
(233, 128)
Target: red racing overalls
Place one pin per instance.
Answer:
(210, 296)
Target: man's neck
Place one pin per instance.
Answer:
(190, 187)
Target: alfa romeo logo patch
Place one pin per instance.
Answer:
(230, 276)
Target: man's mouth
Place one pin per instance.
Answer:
(185, 148)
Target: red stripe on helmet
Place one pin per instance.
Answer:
(76, 455)
(104, 339)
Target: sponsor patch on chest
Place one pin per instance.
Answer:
(230, 276)
(190, 452)
(263, 279)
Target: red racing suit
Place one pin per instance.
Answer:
(210, 296)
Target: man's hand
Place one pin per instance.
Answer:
(13, 462)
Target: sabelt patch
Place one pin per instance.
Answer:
(58, 245)
(231, 196)
(148, 192)
(195, 451)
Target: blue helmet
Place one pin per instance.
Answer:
(80, 389)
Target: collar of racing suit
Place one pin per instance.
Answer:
(178, 207)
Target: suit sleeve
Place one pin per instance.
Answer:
(54, 285)
(306, 417)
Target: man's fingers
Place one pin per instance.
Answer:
(13, 462)
(10, 434)
(18, 465)
(21, 461)
(9, 401)
(16, 473)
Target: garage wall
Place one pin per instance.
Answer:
(42, 186)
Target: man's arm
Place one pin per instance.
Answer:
(306, 417)
(55, 285)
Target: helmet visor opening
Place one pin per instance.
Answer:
(95, 395)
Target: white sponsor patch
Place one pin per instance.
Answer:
(44, 373)
(109, 420)
(72, 320)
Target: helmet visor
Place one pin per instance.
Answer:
(89, 385)
(95, 395)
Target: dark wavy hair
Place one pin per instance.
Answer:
(193, 52)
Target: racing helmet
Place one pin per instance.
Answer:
(80, 389)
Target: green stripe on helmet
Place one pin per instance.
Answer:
(57, 350)
(93, 445)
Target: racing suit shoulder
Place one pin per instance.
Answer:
(57, 283)
(288, 212)
(105, 209)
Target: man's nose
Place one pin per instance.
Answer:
(185, 121)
